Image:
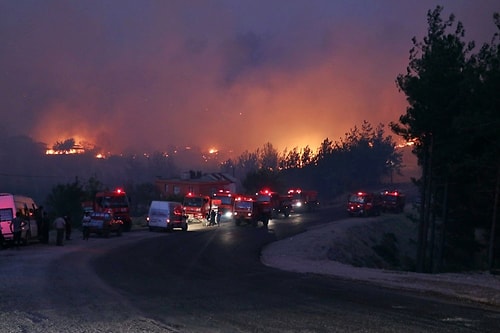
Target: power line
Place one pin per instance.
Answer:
(28, 176)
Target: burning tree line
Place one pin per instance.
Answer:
(363, 158)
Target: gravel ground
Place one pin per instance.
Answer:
(40, 292)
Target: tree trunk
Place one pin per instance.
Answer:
(425, 203)
(444, 225)
(432, 241)
(491, 249)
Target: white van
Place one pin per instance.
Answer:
(10, 204)
(166, 215)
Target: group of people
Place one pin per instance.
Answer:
(214, 217)
(61, 224)
(20, 221)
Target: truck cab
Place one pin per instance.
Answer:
(196, 207)
(303, 200)
(244, 211)
(393, 201)
(269, 204)
(364, 204)
(223, 202)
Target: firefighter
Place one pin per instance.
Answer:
(16, 227)
(212, 217)
(219, 214)
(85, 226)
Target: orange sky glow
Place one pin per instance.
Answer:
(231, 76)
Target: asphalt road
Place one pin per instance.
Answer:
(210, 279)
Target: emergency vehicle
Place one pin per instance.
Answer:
(269, 204)
(243, 211)
(364, 204)
(393, 201)
(10, 204)
(166, 215)
(303, 200)
(196, 207)
(115, 201)
(223, 202)
(104, 223)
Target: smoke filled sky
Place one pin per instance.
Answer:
(143, 75)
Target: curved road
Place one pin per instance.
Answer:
(210, 279)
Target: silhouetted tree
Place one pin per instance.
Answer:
(307, 156)
(290, 159)
(141, 195)
(64, 146)
(263, 178)
(247, 162)
(65, 199)
(324, 150)
(478, 127)
(269, 157)
(228, 167)
(443, 84)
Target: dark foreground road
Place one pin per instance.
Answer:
(212, 280)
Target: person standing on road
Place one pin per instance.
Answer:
(16, 227)
(60, 226)
(219, 214)
(212, 217)
(85, 226)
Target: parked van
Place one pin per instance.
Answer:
(10, 204)
(166, 215)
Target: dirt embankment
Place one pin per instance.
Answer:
(387, 242)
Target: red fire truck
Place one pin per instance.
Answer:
(243, 211)
(196, 207)
(393, 201)
(223, 202)
(303, 200)
(115, 201)
(364, 204)
(270, 204)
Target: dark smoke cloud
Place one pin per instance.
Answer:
(146, 75)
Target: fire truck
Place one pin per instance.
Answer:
(303, 200)
(270, 204)
(196, 207)
(115, 202)
(393, 201)
(364, 204)
(244, 211)
(223, 202)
